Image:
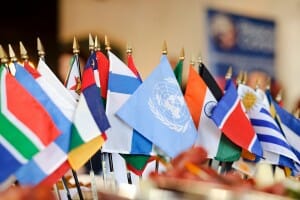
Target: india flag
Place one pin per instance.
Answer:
(200, 102)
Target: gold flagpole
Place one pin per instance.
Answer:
(76, 51)
(128, 52)
(128, 49)
(40, 49)
(239, 78)
(23, 52)
(185, 70)
(12, 54)
(97, 45)
(164, 50)
(110, 160)
(4, 59)
(91, 43)
(228, 73)
(92, 173)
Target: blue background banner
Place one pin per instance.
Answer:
(245, 43)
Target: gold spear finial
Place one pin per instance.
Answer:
(40, 48)
(278, 97)
(164, 48)
(257, 83)
(91, 43)
(228, 73)
(192, 61)
(12, 54)
(181, 56)
(97, 44)
(23, 51)
(128, 49)
(239, 78)
(268, 83)
(3, 55)
(107, 44)
(75, 46)
(245, 76)
(296, 113)
(199, 59)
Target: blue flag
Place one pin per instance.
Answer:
(157, 110)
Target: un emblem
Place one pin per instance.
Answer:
(167, 105)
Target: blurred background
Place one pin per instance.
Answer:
(146, 24)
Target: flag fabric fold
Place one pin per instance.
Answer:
(89, 121)
(132, 67)
(290, 127)
(227, 150)
(268, 132)
(230, 117)
(73, 79)
(121, 137)
(22, 136)
(178, 72)
(158, 111)
(200, 101)
(61, 111)
(102, 77)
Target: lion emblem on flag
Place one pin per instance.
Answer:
(167, 104)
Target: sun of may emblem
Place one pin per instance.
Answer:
(249, 100)
(167, 105)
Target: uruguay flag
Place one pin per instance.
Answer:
(122, 82)
(269, 134)
(230, 117)
(60, 109)
(157, 110)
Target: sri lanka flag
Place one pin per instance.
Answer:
(230, 117)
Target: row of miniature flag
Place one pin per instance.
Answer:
(67, 128)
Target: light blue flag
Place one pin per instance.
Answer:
(157, 110)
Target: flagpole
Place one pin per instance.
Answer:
(92, 172)
(41, 54)
(185, 71)
(65, 184)
(74, 173)
(4, 59)
(97, 47)
(110, 160)
(40, 49)
(129, 178)
(164, 51)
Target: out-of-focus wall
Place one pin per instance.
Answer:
(146, 24)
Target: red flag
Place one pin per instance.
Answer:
(103, 69)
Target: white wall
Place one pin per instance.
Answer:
(145, 24)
